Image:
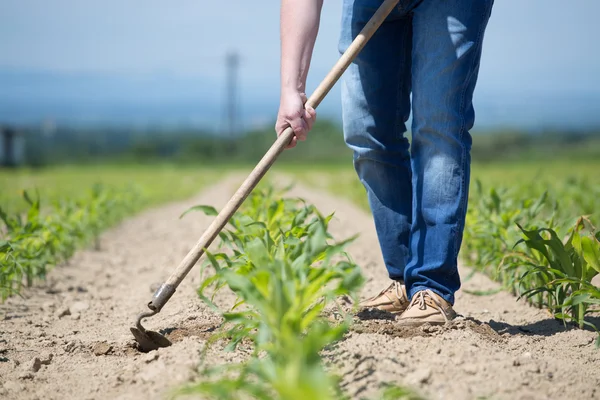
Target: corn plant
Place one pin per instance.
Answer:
(558, 273)
(285, 268)
(33, 242)
(491, 228)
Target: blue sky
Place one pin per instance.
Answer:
(535, 50)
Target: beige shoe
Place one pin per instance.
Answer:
(427, 307)
(393, 299)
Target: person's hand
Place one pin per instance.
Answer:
(292, 113)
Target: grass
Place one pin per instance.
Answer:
(537, 175)
(157, 183)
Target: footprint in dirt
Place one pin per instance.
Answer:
(384, 323)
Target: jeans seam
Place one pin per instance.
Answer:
(398, 97)
(464, 196)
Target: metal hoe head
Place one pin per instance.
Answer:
(148, 340)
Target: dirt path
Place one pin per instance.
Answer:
(69, 339)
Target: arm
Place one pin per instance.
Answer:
(299, 28)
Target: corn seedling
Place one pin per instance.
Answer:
(33, 242)
(559, 273)
(285, 269)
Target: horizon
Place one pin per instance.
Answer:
(103, 62)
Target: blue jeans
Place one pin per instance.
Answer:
(417, 192)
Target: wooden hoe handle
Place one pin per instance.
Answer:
(164, 293)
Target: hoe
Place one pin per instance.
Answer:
(149, 340)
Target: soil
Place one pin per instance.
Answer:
(69, 338)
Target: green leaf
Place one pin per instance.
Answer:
(207, 210)
(483, 292)
(591, 252)
(4, 246)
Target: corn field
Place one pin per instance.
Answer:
(544, 249)
(34, 242)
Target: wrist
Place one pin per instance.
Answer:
(292, 87)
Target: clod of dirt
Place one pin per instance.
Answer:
(152, 356)
(26, 375)
(48, 306)
(46, 359)
(203, 331)
(70, 346)
(101, 349)
(419, 377)
(33, 365)
(62, 312)
(78, 307)
(78, 289)
(470, 369)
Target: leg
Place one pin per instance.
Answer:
(447, 40)
(376, 105)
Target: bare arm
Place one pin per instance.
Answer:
(299, 28)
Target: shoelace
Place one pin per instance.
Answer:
(397, 289)
(419, 300)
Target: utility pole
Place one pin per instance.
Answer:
(233, 62)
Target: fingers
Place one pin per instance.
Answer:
(295, 114)
(300, 128)
(310, 116)
(280, 127)
(292, 143)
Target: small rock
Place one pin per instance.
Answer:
(470, 369)
(76, 317)
(33, 365)
(428, 328)
(48, 306)
(420, 376)
(79, 289)
(46, 359)
(148, 358)
(62, 312)
(26, 375)
(70, 346)
(101, 349)
(78, 307)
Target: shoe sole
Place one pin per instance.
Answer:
(413, 323)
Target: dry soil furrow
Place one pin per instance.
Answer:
(69, 338)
